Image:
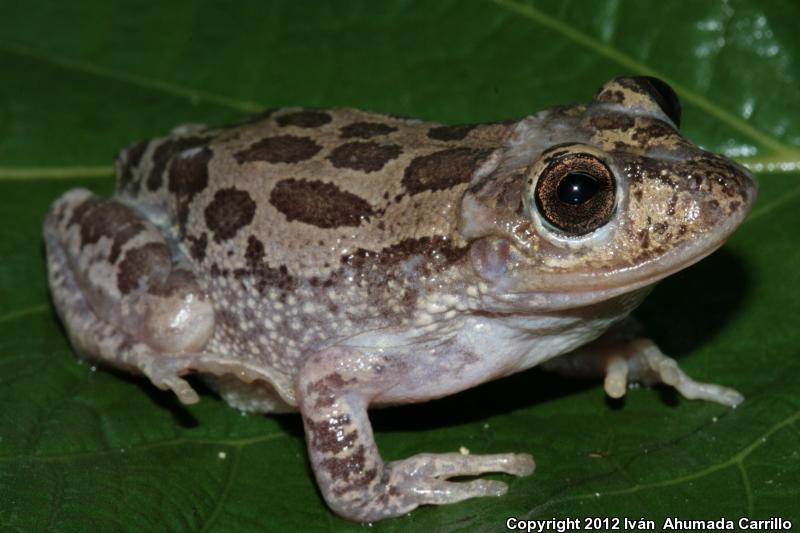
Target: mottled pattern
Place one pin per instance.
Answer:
(127, 161)
(138, 263)
(188, 176)
(164, 152)
(197, 247)
(258, 268)
(328, 260)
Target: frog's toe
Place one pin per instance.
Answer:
(423, 479)
(695, 390)
(447, 465)
(649, 365)
(616, 380)
(439, 492)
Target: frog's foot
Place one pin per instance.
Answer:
(334, 389)
(422, 478)
(645, 363)
(123, 299)
(623, 358)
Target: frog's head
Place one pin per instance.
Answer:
(592, 201)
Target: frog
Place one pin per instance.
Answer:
(331, 261)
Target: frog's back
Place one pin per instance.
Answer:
(307, 226)
(305, 186)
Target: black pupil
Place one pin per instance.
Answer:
(576, 188)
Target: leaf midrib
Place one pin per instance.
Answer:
(779, 157)
(610, 52)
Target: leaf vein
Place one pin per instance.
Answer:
(22, 173)
(777, 203)
(610, 52)
(748, 490)
(734, 460)
(132, 79)
(13, 315)
(236, 443)
(226, 489)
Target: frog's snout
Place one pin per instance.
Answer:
(725, 190)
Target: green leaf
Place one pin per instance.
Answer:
(93, 450)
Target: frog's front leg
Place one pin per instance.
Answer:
(334, 389)
(624, 356)
(121, 292)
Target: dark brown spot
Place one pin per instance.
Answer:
(552, 156)
(364, 156)
(81, 213)
(264, 275)
(644, 238)
(147, 265)
(442, 170)
(660, 227)
(696, 182)
(230, 210)
(188, 176)
(349, 466)
(634, 85)
(320, 204)
(365, 130)
(197, 247)
(327, 389)
(128, 159)
(122, 236)
(615, 121)
(673, 203)
(279, 149)
(164, 152)
(613, 96)
(438, 251)
(450, 133)
(304, 119)
(652, 131)
(357, 484)
(105, 218)
(329, 436)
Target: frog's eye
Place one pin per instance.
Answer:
(664, 96)
(575, 193)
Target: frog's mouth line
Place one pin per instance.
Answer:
(572, 290)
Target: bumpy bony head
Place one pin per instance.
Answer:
(600, 199)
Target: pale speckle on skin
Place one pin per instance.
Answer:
(326, 260)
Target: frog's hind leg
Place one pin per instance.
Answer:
(624, 356)
(119, 292)
(335, 387)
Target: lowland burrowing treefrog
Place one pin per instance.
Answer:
(330, 260)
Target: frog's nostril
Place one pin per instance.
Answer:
(696, 182)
